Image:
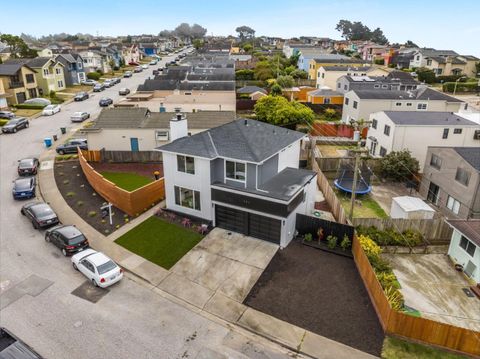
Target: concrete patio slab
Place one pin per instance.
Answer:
(151, 272)
(186, 290)
(272, 327)
(241, 282)
(225, 307)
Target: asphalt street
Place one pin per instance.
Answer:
(130, 320)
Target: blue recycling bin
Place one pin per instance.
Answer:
(47, 141)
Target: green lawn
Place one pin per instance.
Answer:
(160, 242)
(368, 208)
(394, 348)
(127, 181)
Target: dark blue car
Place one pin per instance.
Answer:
(24, 187)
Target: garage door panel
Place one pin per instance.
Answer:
(231, 219)
(264, 228)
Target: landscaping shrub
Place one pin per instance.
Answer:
(244, 75)
(308, 237)
(461, 87)
(426, 75)
(27, 106)
(413, 237)
(391, 237)
(450, 78)
(379, 61)
(346, 243)
(399, 165)
(93, 76)
(394, 297)
(3, 122)
(332, 242)
(92, 214)
(371, 249)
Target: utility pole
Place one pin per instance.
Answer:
(357, 126)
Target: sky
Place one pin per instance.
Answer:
(439, 24)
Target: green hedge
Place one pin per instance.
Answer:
(391, 237)
(451, 78)
(3, 122)
(28, 106)
(461, 86)
(93, 76)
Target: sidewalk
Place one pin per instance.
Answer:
(170, 286)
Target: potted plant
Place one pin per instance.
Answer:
(307, 237)
(345, 243)
(332, 241)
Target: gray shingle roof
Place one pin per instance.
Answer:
(471, 155)
(68, 58)
(38, 62)
(324, 92)
(469, 228)
(429, 118)
(9, 69)
(152, 85)
(251, 89)
(142, 118)
(418, 94)
(346, 68)
(243, 139)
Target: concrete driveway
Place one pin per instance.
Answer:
(223, 262)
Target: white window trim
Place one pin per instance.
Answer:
(225, 178)
(451, 201)
(193, 191)
(185, 156)
(165, 137)
(421, 104)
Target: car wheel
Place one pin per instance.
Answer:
(26, 125)
(74, 266)
(64, 252)
(94, 282)
(35, 225)
(14, 130)
(22, 212)
(61, 152)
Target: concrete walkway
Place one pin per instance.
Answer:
(176, 286)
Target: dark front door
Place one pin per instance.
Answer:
(433, 190)
(250, 224)
(21, 98)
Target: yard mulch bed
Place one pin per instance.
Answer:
(144, 169)
(70, 178)
(321, 292)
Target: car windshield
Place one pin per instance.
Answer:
(77, 114)
(22, 184)
(12, 122)
(49, 107)
(26, 163)
(106, 267)
(76, 240)
(42, 211)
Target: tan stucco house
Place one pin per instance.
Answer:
(18, 81)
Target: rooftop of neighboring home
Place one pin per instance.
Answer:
(430, 118)
(470, 155)
(392, 77)
(70, 57)
(115, 118)
(324, 93)
(11, 68)
(470, 228)
(243, 139)
(240, 57)
(251, 89)
(433, 52)
(422, 93)
(346, 68)
(38, 62)
(170, 85)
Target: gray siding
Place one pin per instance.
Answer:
(217, 170)
(234, 183)
(268, 170)
(251, 175)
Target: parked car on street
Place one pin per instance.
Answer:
(155, 72)
(23, 187)
(15, 124)
(81, 96)
(79, 116)
(27, 166)
(7, 114)
(98, 88)
(145, 66)
(108, 83)
(97, 267)
(124, 91)
(12, 347)
(38, 101)
(68, 238)
(71, 146)
(116, 80)
(89, 82)
(128, 74)
(51, 110)
(40, 214)
(153, 62)
(105, 102)
(138, 69)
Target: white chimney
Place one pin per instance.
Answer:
(178, 126)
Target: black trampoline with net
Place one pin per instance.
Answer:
(344, 178)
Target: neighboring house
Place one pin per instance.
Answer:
(395, 80)
(243, 61)
(49, 74)
(242, 176)
(3, 97)
(248, 90)
(401, 58)
(359, 104)
(132, 54)
(299, 93)
(327, 76)
(94, 60)
(420, 56)
(372, 52)
(453, 65)
(464, 248)
(416, 131)
(18, 81)
(138, 129)
(149, 49)
(5, 53)
(46, 52)
(257, 95)
(324, 97)
(331, 60)
(308, 54)
(451, 180)
(73, 67)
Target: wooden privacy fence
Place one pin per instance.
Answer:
(134, 202)
(330, 196)
(131, 156)
(435, 231)
(419, 329)
(332, 164)
(91, 156)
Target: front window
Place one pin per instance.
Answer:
(45, 72)
(355, 104)
(235, 170)
(58, 71)
(374, 124)
(346, 101)
(162, 135)
(383, 151)
(436, 162)
(468, 246)
(421, 106)
(386, 130)
(187, 198)
(453, 205)
(30, 78)
(457, 131)
(445, 133)
(462, 176)
(186, 164)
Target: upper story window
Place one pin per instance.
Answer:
(374, 123)
(58, 71)
(46, 72)
(186, 164)
(445, 133)
(429, 62)
(235, 171)
(398, 104)
(30, 78)
(355, 104)
(457, 131)
(467, 245)
(347, 100)
(409, 104)
(376, 86)
(462, 176)
(386, 130)
(421, 106)
(323, 75)
(339, 85)
(435, 161)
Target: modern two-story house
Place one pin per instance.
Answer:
(451, 180)
(395, 80)
(243, 176)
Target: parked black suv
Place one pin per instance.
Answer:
(81, 96)
(71, 146)
(68, 238)
(41, 214)
(27, 167)
(15, 124)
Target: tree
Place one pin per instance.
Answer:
(197, 31)
(244, 75)
(245, 32)
(477, 66)
(358, 31)
(278, 110)
(276, 90)
(399, 165)
(197, 44)
(299, 74)
(378, 37)
(410, 44)
(263, 71)
(247, 47)
(18, 47)
(425, 75)
(286, 81)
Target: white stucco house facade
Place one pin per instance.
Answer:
(416, 131)
(243, 176)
